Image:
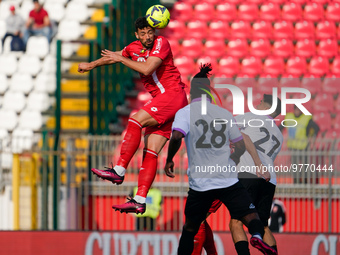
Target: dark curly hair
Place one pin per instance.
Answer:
(141, 23)
(200, 82)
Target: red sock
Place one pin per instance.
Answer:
(130, 142)
(147, 173)
(199, 240)
(209, 244)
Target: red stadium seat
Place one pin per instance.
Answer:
(324, 120)
(331, 84)
(245, 81)
(328, 48)
(313, 12)
(323, 102)
(283, 29)
(215, 48)
(333, 12)
(226, 11)
(290, 80)
(229, 65)
(185, 65)
(248, 11)
(260, 48)
(337, 107)
(278, 1)
(240, 29)
(334, 133)
(204, 11)
(270, 11)
(218, 29)
(262, 29)
(175, 47)
(273, 66)
(176, 30)
(338, 31)
(213, 2)
(182, 11)
(237, 48)
(325, 30)
(283, 48)
(305, 48)
(304, 29)
(251, 65)
(296, 65)
(291, 11)
(312, 83)
(192, 47)
(197, 29)
(335, 69)
(308, 105)
(319, 65)
(322, 1)
(208, 59)
(266, 83)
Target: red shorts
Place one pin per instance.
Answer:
(215, 205)
(163, 108)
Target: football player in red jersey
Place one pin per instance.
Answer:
(151, 56)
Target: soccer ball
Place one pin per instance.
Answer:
(158, 16)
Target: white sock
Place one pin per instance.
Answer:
(139, 199)
(258, 236)
(120, 170)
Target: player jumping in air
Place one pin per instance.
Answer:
(212, 167)
(263, 143)
(151, 56)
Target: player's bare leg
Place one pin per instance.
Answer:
(130, 145)
(239, 237)
(269, 238)
(153, 145)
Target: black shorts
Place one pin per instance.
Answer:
(235, 198)
(261, 193)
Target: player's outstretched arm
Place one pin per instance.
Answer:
(239, 150)
(255, 156)
(146, 68)
(174, 145)
(86, 67)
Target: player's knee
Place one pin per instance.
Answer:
(234, 225)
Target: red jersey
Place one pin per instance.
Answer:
(166, 76)
(38, 16)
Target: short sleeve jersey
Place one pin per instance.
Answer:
(38, 16)
(266, 137)
(208, 147)
(166, 76)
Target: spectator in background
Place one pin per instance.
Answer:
(38, 23)
(298, 141)
(14, 25)
(277, 216)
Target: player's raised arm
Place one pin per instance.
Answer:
(145, 68)
(85, 67)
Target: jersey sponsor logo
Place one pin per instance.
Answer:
(158, 46)
(135, 54)
(154, 109)
(141, 59)
(251, 206)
